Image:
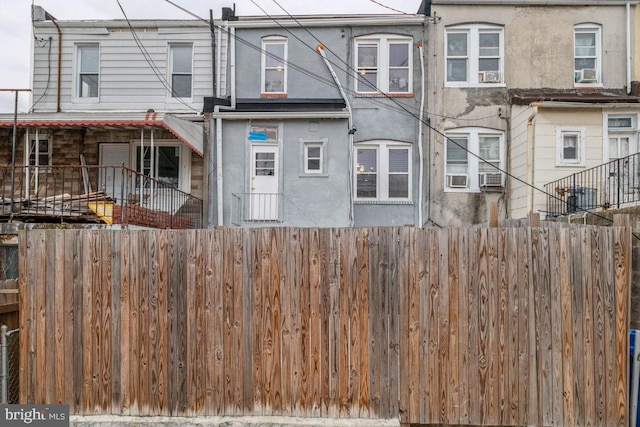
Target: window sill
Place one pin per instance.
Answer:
(313, 175)
(382, 202)
(273, 95)
(384, 95)
(474, 85)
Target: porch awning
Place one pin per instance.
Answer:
(189, 132)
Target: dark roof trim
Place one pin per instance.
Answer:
(284, 104)
(591, 96)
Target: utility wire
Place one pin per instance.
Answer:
(401, 107)
(150, 61)
(426, 123)
(387, 7)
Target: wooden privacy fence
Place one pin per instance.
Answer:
(484, 326)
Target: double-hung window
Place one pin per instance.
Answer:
(88, 70)
(181, 67)
(474, 159)
(383, 171)
(274, 66)
(622, 136)
(587, 54)
(384, 65)
(570, 146)
(474, 55)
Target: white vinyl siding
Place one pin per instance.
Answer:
(127, 81)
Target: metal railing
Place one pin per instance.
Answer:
(9, 365)
(615, 184)
(256, 208)
(111, 194)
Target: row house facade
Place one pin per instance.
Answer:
(362, 120)
(527, 93)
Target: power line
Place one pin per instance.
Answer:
(150, 62)
(387, 7)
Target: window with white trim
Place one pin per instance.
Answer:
(168, 162)
(570, 146)
(181, 66)
(384, 64)
(313, 156)
(622, 136)
(474, 157)
(88, 70)
(274, 65)
(587, 55)
(474, 55)
(383, 171)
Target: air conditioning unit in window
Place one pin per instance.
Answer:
(586, 75)
(489, 77)
(456, 181)
(491, 179)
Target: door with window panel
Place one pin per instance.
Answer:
(264, 197)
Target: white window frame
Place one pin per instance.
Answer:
(382, 181)
(630, 132)
(264, 68)
(172, 72)
(473, 135)
(472, 57)
(305, 144)
(184, 173)
(383, 67)
(596, 29)
(579, 132)
(34, 149)
(78, 73)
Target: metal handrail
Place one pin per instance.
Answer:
(614, 184)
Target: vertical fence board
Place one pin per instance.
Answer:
(238, 321)
(576, 289)
(417, 401)
(610, 331)
(362, 253)
(588, 332)
(276, 310)
(463, 328)
(163, 324)
(248, 253)
(334, 323)
(440, 315)
(566, 338)
(324, 318)
(622, 270)
(473, 302)
(315, 374)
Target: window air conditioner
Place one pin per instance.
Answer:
(491, 179)
(456, 181)
(586, 75)
(489, 77)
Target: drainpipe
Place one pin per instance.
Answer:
(52, 19)
(216, 110)
(628, 48)
(420, 128)
(532, 152)
(352, 130)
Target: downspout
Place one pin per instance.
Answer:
(628, 48)
(420, 129)
(216, 109)
(352, 130)
(52, 19)
(532, 161)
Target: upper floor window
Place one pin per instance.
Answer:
(474, 55)
(384, 64)
(587, 55)
(181, 66)
(383, 171)
(274, 65)
(570, 145)
(474, 159)
(88, 69)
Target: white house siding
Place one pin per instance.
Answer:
(127, 80)
(519, 159)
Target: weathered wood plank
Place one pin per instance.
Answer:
(416, 345)
(406, 328)
(69, 318)
(315, 351)
(324, 319)
(577, 292)
(484, 348)
(334, 311)
(344, 354)
(163, 322)
(565, 289)
(543, 300)
(588, 331)
(439, 298)
(256, 317)
(248, 253)
(115, 394)
(153, 325)
(362, 300)
(105, 382)
(58, 313)
(462, 400)
(622, 276)
(473, 302)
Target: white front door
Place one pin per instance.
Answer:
(111, 177)
(264, 197)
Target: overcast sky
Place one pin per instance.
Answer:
(16, 34)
